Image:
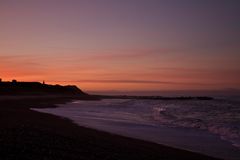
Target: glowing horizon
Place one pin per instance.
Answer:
(121, 45)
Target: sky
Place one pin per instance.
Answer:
(122, 44)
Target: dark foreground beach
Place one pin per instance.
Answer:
(26, 134)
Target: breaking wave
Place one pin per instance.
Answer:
(221, 117)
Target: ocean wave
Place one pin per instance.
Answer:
(218, 117)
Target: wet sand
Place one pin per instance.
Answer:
(26, 134)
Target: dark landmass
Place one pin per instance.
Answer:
(152, 97)
(26, 134)
(37, 88)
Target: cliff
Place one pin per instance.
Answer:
(37, 88)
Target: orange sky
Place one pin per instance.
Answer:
(118, 74)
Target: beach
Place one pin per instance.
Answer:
(27, 134)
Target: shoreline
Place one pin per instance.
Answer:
(88, 114)
(26, 133)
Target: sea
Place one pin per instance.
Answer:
(210, 127)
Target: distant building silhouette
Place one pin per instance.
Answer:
(0, 80)
(14, 81)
